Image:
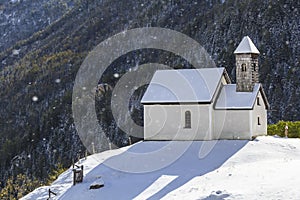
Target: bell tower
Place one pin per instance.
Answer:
(246, 56)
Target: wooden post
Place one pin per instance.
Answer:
(81, 173)
(50, 192)
(74, 177)
(130, 142)
(93, 148)
(79, 155)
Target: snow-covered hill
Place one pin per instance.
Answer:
(266, 168)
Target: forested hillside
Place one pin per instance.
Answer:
(19, 19)
(39, 62)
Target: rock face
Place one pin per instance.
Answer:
(43, 43)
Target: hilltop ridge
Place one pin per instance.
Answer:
(261, 169)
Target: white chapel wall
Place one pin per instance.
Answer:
(232, 124)
(167, 122)
(259, 127)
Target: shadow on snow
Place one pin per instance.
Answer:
(129, 185)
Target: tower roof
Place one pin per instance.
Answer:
(246, 46)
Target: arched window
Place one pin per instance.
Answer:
(254, 66)
(187, 118)
(258, 121)
(243, 67)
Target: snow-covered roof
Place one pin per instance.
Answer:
(183, 86)
(246, 46)
(230, 99)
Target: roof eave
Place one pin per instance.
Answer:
(226, 76)
(249, 108)
(176, 103)
(246, 52)
(263, 94)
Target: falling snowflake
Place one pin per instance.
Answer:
(35, 98)
(57, 80)
(116, 75)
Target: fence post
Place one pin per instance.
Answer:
(50, 192)
(130, 142)
(78, 156)
(81, 173)
(74, 176)
(93, 148)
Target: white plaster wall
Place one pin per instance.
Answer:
(232, 124)
(166, 122)
(261, 112)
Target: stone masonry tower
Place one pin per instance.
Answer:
(246, 55)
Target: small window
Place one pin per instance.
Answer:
(258, 101)
(258, 121)
(187, 119)
(254, 66)
(243, 67)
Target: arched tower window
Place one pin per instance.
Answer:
(243, 67)
(187, 117)
(254, 66)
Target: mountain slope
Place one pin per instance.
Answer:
(19, 19)
(43, 67)
(261, 169)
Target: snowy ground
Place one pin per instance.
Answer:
(266, 168)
